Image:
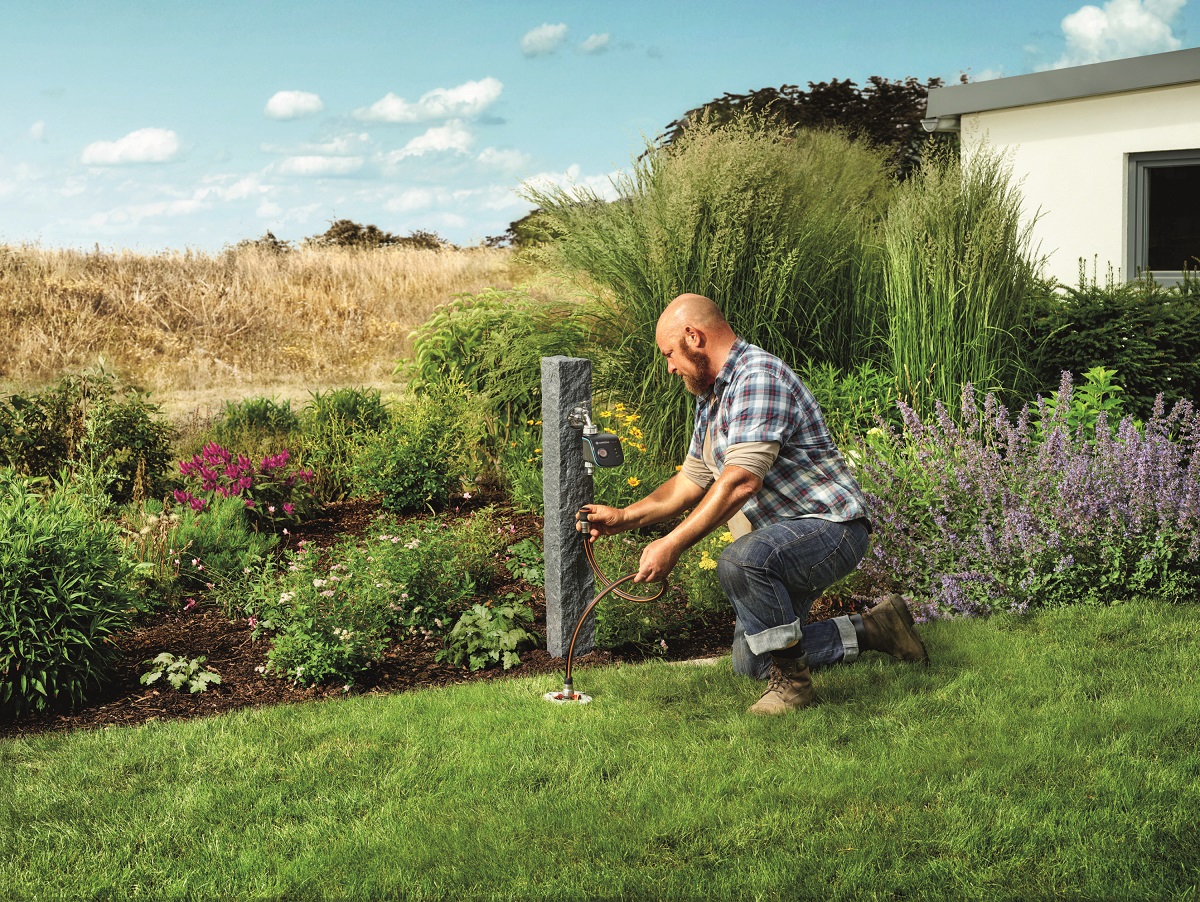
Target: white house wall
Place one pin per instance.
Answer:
(1071, 156)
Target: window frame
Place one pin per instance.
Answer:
(1138, 210)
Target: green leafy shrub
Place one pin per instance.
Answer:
(181, 673)
(436, 567)
(853, 401)
(89, 421)
(422, 456)
(491, 635)
(1147, 333)
(253, 426)
(336, 426)
(1099, 396)
(492, 345)
(350, 409)
(696, 574)
(65, 590)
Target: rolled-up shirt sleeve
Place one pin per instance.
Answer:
(696, 470)
(757, 457)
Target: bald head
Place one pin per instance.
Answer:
(695, 338)
(693, 310)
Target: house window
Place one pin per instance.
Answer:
(1164, 214)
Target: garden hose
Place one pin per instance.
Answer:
(568, 692)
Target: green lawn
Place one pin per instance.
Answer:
(1048, 757)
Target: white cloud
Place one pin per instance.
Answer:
(316, 166)
(268, 210)
(453, 136)
(133, 214)
(413, 199)
(293, 105)
(507, 160)
(37, 131)
(1122, 28)
(571, 181)
(230, 188)
(462, 102)
(596, 43)
(544, 39)
(146, 145)
(342, 145)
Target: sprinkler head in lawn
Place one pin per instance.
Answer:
(562, 698)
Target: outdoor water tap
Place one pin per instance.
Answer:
(600, 449)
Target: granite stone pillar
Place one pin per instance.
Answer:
(566, 384)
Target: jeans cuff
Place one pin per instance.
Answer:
(849, 637)
(775, 638)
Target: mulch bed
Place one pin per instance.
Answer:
(409, 665)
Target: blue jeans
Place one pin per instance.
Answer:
(773, 575)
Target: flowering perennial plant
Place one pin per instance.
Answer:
(333, 613)
(992, 513)
(273, 496)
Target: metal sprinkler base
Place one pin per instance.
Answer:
(563, 698)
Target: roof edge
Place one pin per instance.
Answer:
(1115, 76)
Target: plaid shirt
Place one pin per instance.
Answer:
(757, 398)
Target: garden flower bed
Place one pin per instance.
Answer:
(410, 663)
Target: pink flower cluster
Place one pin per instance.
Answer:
(219, 472)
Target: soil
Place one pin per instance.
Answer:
(409, 665)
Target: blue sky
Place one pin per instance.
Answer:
(163, 124)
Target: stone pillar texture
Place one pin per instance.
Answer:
(566, 383)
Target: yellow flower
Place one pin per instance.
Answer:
(537, 450)
(727, 537)
(620, 408)
(706, 562)
(678, 467)
(634, 481)
(635, 432)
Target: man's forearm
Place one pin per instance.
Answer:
(669, 500)
(724, 498)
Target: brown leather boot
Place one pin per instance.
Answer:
(789, 686)
(888, 627)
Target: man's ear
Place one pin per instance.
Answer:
(693, 336)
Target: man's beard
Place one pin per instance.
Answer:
(700, 383)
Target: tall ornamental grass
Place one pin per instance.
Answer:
(995, 513)
(769, 225)
(959, 273)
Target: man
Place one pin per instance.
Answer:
(762, 460)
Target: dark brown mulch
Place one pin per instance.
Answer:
(227, 646)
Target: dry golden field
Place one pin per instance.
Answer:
(196, 329)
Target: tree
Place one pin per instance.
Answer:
(347, 233)
(884, 113)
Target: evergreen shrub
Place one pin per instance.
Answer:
(1148, 333)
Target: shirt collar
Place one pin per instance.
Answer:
(726, 372)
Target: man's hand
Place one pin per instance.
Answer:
(658, 560)
(600, 520)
